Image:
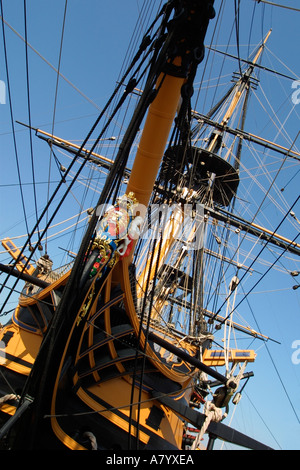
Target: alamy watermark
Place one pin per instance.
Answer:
(296, 353)
(2, 92)
(181, 222)
(296, 93)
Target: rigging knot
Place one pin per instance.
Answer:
(92, 439)
(212, 413)
(9, 397)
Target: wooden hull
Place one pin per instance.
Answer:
(107, 390)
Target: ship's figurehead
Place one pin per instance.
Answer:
(117, 232)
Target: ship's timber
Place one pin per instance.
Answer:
(216, 429)
(248, 136)
(228, 260)
(251, 227)
(240, 87)
(24, 276)
(150, 151)
(160, 118)
(254, 229)
(204, 168)
(221, 319)
(74, 149)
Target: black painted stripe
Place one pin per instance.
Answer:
(16, 359)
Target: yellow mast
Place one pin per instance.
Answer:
(155, 135)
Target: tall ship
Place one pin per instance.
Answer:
(135, 310)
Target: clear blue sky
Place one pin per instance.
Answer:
(97, 34)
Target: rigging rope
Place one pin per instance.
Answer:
(12, 121)
(212, 413)
(50, 65)
(112, 174)
(295, 202)
(29, 114)
(237, 30)
(8, 397)
(273, 363)
(54, 107)
(278, 5)
(266, 272)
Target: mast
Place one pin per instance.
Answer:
(243, 85)
(227, 187)
(159, 121)
(220, 190)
